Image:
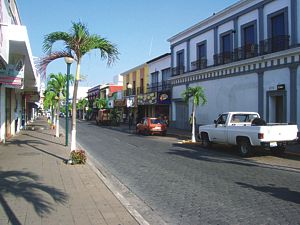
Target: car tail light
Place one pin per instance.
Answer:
(260, 135)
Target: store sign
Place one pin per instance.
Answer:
(13, 75)
(147, 99)
(164, 97)
(110, 104)
(130, 102)
(32, 98)
(120, 103)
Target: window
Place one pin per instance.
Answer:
(226, 45)
(154, 78)
(277, 25)
(166, 74)
(249, 40)
(180, 59)
(201, 51)
(277, 31)
(142, 86)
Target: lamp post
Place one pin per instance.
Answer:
(129, 87)
(68, 61)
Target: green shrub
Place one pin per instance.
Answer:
(78, 157)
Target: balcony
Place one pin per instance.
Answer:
(274, 44)
(177, 70)
(159, 86)
(199, 64)
(245, 52)
(223, 58)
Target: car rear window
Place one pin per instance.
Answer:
(155, 121)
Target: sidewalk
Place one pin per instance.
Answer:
(37, 187)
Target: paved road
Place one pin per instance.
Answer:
(190, 185)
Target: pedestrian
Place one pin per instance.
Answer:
(130, 120)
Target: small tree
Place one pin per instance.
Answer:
(101, 103)
(198, 97)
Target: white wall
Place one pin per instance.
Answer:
(271, 79)
(228, 94)
(273, 7)
(177, 91)
(159, 65)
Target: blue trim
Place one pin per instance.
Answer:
(188, 61)
(294, 23)
(260, 75)
(261, 23)
(293, 93)
(235, 34)
(215, 40)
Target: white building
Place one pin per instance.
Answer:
(18, 77)
(158, 86)
(247, 59)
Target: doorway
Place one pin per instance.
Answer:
(276, 106)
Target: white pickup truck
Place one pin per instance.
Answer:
(248, 131)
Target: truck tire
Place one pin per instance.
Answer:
(245, 148)
(279, 150)
(205, 140)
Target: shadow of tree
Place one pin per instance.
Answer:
(282, 193)
(26, 185)
(33, 144)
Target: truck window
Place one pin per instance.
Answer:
(222, 119)
(243, 118)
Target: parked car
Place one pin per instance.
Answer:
(249, 132)
(149, 126)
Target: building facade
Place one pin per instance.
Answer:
(135, 83)
(19, 80)
(246, 58)
(158, 88)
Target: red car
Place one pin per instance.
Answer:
(150, 126)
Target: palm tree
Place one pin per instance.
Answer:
(77, 43)
(57, 84)
(50, 101)
(198, 97)
(82, 103)
(101, 103)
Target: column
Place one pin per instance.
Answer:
(188, 56)
(293, 93)
(260, 99)
(294, 23)
(2, 113)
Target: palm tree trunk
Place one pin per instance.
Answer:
(193, 123)
(73, 141)
(57, 118)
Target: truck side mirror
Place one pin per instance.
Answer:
(215, 121)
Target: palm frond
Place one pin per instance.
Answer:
(53, 37)
(43, 62)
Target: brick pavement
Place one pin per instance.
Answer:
(37, 187)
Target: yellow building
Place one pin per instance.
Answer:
(135, 83)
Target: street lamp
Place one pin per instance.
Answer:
(68, 61)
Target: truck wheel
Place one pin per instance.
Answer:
(245, 148)
(279, 150)
(205, 141)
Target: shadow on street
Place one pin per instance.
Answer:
(278, 192)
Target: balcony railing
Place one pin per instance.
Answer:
(223, 58)
(177, 70)
(199, 64)
(274, 44)
(245, 52)
(159, 86)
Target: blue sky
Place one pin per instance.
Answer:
(139, 28)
